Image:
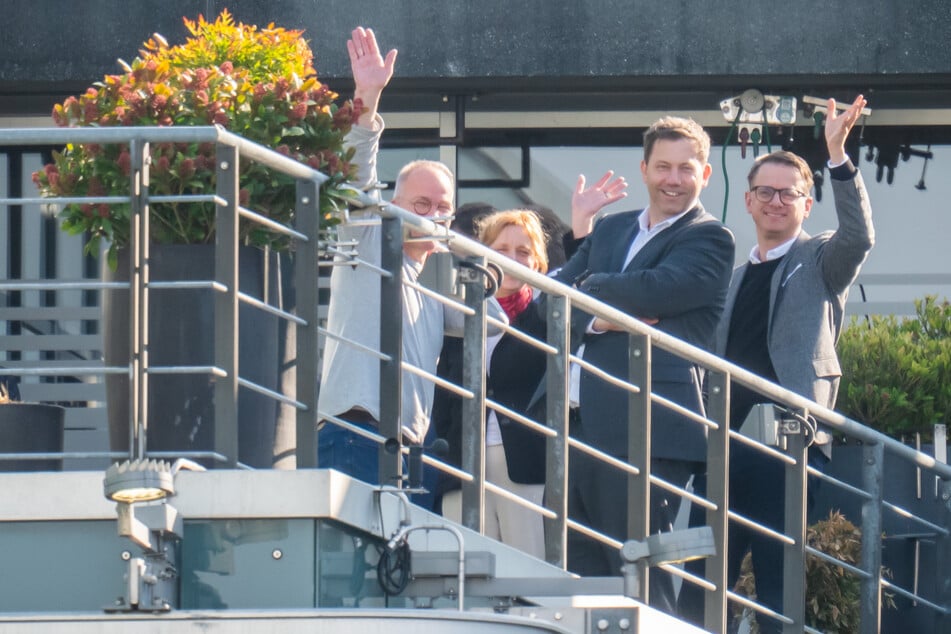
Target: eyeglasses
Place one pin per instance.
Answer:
(423, 206)
(765, 193)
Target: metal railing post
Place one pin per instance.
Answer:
(873, 475)
(226, 305)
(556, 448)
(307, 365)
(943, 558)
(794, 563)
(391, 344)
(473, 409)
(639, 449)
(718, 490)
(139, 300)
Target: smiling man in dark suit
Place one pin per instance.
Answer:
(669, 265)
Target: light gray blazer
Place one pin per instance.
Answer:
(807, 297)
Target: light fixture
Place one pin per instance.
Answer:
(138, 481)
(672, 547)
(140, 488)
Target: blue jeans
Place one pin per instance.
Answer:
(349, 452)
(359, 457)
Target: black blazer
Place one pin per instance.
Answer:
(681, 278)
(515, 371)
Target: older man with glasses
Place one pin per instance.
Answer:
(783, 315)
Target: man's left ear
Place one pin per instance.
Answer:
(808, 207)
(707, 171)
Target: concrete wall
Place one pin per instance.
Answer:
(54, 46)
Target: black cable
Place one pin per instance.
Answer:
(394, 570)
(726, 178)
(868, 318)
(808, 422)
(491, 281)
(497, 280)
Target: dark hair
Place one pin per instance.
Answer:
(467, 216)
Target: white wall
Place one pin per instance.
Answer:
(913, 227)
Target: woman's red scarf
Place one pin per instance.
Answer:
(514, 304)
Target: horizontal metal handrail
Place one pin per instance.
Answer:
(709, 361)
(888, 585)
(465, 246)
(442, 299)
(167, 134)
(273, 225)
(770, 392)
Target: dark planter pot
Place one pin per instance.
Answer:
(31, 428)
(181, 407)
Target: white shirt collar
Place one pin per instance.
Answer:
(644, 220)
(772, 254)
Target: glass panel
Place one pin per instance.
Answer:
(61, 566)
(251, 564)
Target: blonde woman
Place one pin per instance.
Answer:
(515, 455)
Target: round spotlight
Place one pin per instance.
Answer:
(138, 481)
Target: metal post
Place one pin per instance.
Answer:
(556, 449)
(794, 555)
(718, 490)
(873, 472)
(306, 216)
(639, 449)
(943, 548)
(448, 131)
(139, 300)
(226, 305)
(391, 344)
(473, 409)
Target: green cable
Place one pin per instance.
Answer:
(755, 137)
(726, 179)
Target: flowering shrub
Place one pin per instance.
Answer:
(258, 83)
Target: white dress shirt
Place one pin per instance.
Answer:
(644, 235)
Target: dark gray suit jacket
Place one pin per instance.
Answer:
(680, 277)
(807, 296)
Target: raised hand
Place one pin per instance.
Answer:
(838, 127)
(371, 72)
(587, 202)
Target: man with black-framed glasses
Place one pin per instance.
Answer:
(783, 315)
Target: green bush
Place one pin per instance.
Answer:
(896, 374)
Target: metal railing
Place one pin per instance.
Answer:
(230, 151)
(561, 301)
(869, 489)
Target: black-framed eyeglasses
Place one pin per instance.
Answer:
(765, 193)
(423, 206)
